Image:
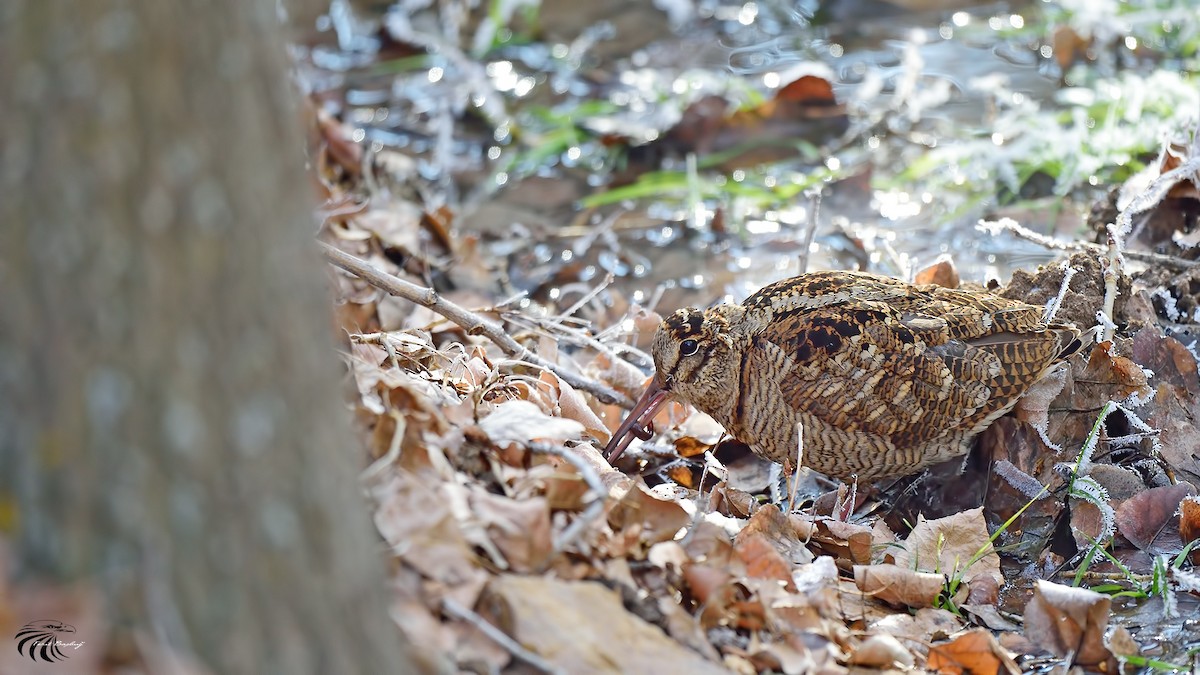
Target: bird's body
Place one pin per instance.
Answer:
(884, 377)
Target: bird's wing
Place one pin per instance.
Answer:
(910, 366)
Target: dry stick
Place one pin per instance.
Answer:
(454, 609)
(1008, 225)
(814, 211)
(473, 323)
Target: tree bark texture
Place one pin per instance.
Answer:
(171, 430)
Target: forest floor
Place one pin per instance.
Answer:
(512, 202)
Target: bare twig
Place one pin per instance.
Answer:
(791, 503)
(814, 211)
(588, 473)
(561, 331)
(1008, 225)
(472, 322)
(454, 609)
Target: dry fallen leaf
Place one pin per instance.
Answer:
(761, 559)
(572, 406)
(418, 524)
(1066, 620)
(522, 421)
(520, 529)
(975, 652)
(881, 651)
(946, 545)
(646, 519)
(582, 627)
(1150, 520)
(942, 272)
(898, 586)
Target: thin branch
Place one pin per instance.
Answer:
(994, 227)
(561, 331)
(473, 323)
(462, 613)
(814, 212)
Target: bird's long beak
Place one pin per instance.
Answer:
(640, 421)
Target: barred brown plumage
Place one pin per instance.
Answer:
(886, 377)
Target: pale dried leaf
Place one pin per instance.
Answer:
(881, 651)
(582, 627)
(946, 545)
(522, 422)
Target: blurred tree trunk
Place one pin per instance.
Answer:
(171, 430)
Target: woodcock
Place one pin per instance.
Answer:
(885, 377)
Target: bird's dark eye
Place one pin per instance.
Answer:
(688, 347)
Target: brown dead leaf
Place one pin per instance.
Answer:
(1066, 620)
(620, 374)
(582, 627)
(735, 604)
(770, 522)
(1170, 360)
(761, 559)
(846, 541)
(1150, 519)
(975, 652)
(439, 223)
(943, 273)
(804, 109)
(946, 545)
(689, 446)
(520, 529)
(1189, 519)
(646, 518)
(899, 587)
(562, 486)
(704, 580)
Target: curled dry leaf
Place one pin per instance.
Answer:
(1065, 620)
(522, 422)
(845, 541)
(946, 545)
(572, 406)
(898, 586)
(973, 652)
(620, 374)
(582, 627)
(1150, 519)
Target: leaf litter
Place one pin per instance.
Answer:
(479, 514)
(515, 545)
